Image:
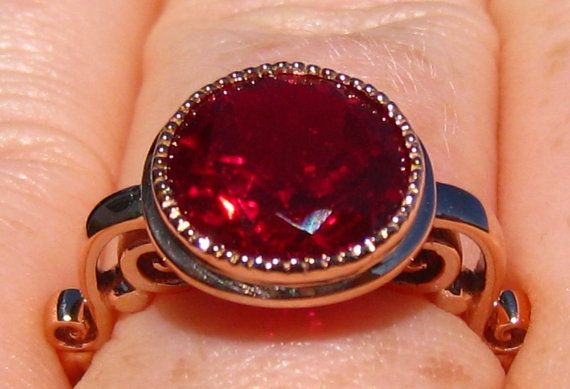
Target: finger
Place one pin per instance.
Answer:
(535, 149)
(437, 60)
(66, 92)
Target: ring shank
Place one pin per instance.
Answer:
(459, 211)
(446, 207)
(443, 207)
(456, 210)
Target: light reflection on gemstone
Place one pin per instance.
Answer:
(312, 222)
(228, 206)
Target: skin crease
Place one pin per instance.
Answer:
(63, 115)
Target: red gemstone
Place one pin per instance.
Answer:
(288, 167)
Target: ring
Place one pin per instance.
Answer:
(288, 185)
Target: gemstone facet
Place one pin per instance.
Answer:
(286, 169)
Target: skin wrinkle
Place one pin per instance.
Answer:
(30, 58)
(40, 95)
(328, 22)
(54, 133)
(12, 181)
(20, 137)
(33, 53)
(335, 22)
(33, 58)
(384, 11)
(10, 70)
(12, 225)
(27, 81)
(57, 147)
(41, 76)
(30, 188)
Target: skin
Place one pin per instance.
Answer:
(84, 87)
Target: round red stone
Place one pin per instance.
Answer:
(288, 167)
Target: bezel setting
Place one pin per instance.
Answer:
(357, 258)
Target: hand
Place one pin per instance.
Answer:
(85, 86)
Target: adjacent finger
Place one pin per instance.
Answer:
(68, 74)
(534, 185)
(437, 60)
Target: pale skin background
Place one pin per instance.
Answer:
(85, 86)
